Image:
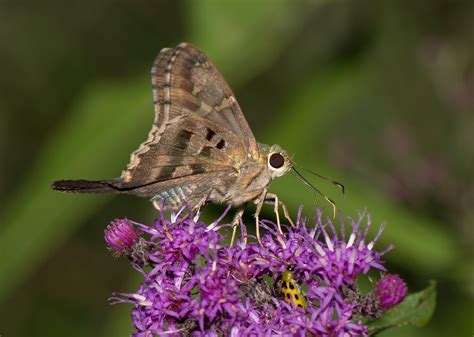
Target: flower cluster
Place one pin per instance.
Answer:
(195, 284)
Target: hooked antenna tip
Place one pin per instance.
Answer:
(341, 187)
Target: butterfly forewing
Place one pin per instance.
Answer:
(190, 83)
(199, 130)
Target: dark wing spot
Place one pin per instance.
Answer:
(197, 168)
(205, 151)
(284, 285)
(199, 59)
(297, 297)
(221, 144)
(300, 306)
(183, 138)
(288, 296)
(292, 286)
(166, 172)
(209, 134)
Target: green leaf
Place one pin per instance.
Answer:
(416, 309)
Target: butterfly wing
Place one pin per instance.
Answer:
(186, 150)
(185, 81)
(199, 137)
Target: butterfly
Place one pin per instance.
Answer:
(200, 148)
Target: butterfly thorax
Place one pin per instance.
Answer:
(252, 177)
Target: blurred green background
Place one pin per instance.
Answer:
(377, 94)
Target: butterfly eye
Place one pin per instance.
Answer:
(276, 160)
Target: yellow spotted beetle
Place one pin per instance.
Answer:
(290, 289)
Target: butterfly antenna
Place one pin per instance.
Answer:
(314, 189)
(307, 183)
(334, 182)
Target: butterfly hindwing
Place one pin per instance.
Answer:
(171, 194)
(194, 158)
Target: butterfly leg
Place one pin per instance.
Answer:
(273, 199)
(235, 223)
(260, 201)
(287, 214)
(202, 202)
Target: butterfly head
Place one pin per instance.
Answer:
(278, 161)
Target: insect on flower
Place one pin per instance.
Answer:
(291, 290)
(200, 148)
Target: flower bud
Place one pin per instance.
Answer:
(120, 236)
(390, 291)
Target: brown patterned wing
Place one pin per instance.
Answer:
(198, 142)
(194, 157)
(187, 86)
(188, 146)
(199, 137)
(186, 82)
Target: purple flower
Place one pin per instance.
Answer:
(390, 291)
(195, 284)
(120, 236)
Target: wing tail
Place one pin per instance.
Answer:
(85, 186)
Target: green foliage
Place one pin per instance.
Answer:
(95, 133)
(253, 30)
(416, 309)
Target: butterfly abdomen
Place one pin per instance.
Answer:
(85, 186)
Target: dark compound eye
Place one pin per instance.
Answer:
(276, 160)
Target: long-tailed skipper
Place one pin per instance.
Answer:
(200, 148)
